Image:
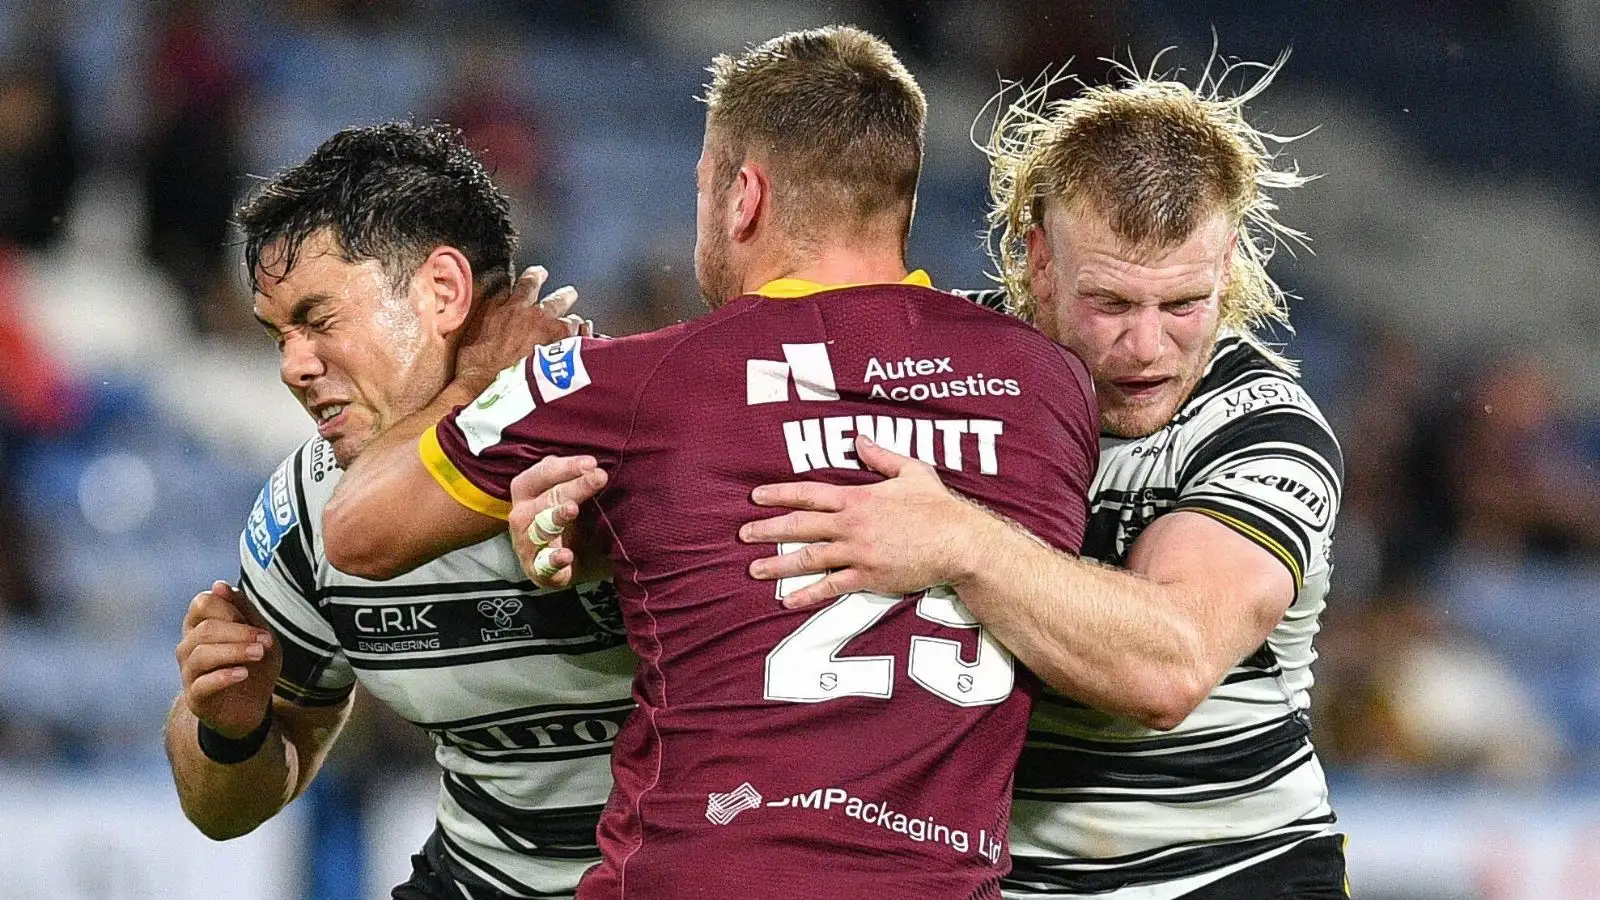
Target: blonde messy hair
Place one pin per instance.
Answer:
(1156, 157)
(837, 116)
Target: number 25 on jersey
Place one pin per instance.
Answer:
(806, 666)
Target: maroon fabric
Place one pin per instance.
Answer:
(669, 415)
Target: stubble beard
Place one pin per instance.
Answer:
(714, 273)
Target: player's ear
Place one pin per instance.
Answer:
(1227, 262)
(445, 284)
(1041, 264)
(752, 200)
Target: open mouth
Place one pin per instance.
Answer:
(1141, 388)
(330, 417)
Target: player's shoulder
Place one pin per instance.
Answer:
(291, 501)
(1250, 404)
(1241, 380)
(996, 299)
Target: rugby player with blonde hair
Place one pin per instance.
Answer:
(1132, 223)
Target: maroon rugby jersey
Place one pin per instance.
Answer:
(861, 750)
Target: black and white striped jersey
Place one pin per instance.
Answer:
(1107, 808)
(523, 690)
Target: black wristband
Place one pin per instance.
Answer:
(230, 751)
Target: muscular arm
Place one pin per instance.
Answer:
(388, 514)
(1148, 644)
(226, 801)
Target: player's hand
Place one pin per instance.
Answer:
(228, 660)
(505, 328)
(545, 500)
(896, 536)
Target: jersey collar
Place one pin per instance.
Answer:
(793, 288)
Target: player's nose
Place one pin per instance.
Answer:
(1145, 335)
(298, 363)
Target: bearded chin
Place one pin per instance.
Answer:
(715, 275)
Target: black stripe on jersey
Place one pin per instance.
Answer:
(462, 865)
(300, 695)
(415, 591)
(1234, 364)
(1250, 675)
(1233, 357)
(1048, 875)
(1117, 517)
(302, 569)
(1283, 427)
(1071, 769)
(305, 656)
(486, 618)
(530, 712)
(990, 298)
(1288, 546)
(1157, 744)
(537, 733)
(279, 623)
(554, 833)
(1174, 794)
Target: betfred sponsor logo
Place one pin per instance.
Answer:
(559, 369)
(271, 517)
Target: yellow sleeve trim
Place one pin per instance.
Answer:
(1257, 535)
(454, 483)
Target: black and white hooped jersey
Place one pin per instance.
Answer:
(523, 690)
(1107, 808)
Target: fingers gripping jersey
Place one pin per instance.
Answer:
(859, 750)
(523, 690)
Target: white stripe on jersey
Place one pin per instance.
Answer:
(522, 689)
(1110, 809)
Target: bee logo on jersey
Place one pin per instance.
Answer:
(271, 517)
(500, 610)
(560, 369)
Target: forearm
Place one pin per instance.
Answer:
(1105, 637)
(365, 524)
(226, 801)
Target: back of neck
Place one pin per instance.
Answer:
(834, 265)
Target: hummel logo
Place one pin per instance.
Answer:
(767, 380)
(721, 808)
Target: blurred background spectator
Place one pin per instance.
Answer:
(1446, 321)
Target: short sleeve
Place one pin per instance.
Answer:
(572, 397)
(1274, 474)
(278, 576)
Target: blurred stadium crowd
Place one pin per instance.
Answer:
(1445, 314)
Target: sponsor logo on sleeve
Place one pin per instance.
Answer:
(271, 517)
(507, 401)
(559, 369)
(1288, 485)
(1262, 394)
